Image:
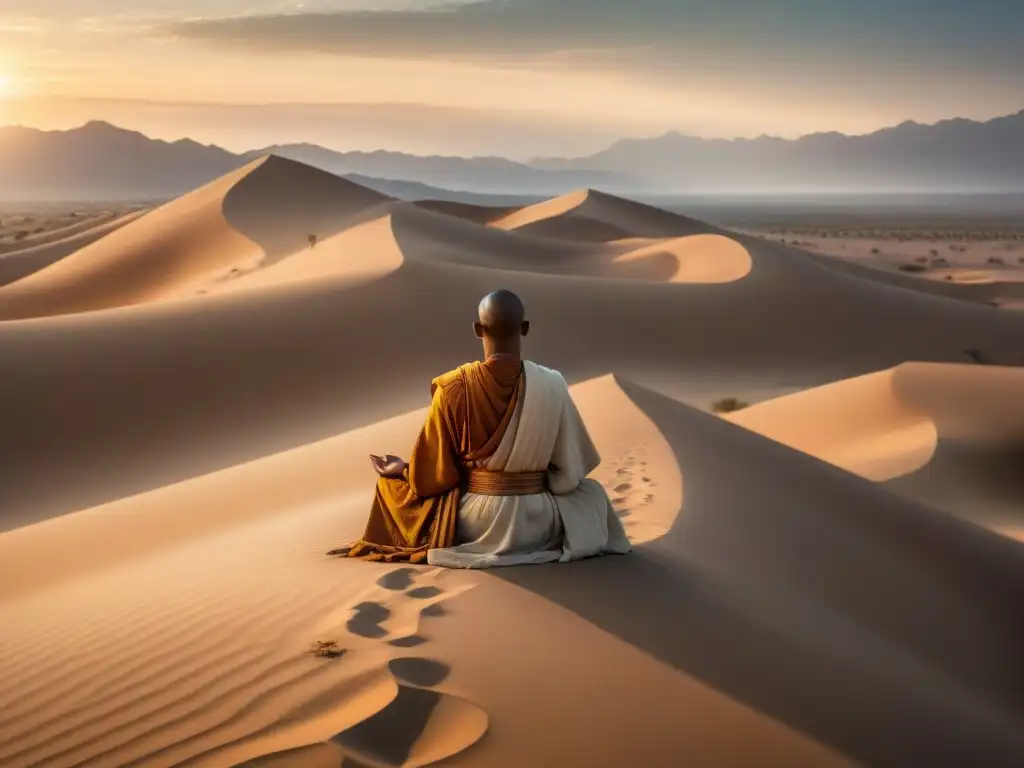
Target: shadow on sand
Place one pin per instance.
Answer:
(804, 630)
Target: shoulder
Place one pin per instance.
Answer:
(451, 382)
(550, 374)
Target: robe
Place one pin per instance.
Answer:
(572, 519)
(470, 411)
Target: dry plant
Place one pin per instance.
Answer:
(728, 405)
(326, 649)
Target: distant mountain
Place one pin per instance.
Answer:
(102, 162)
(488, 175)
(950, 156)
(99, 161)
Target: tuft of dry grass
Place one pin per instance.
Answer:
(728, 405)
(326, 649)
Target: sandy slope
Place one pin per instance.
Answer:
(24, 261)
(67, 227)
(589, 215)
(950, 435)
(249, 218)
(176, 463)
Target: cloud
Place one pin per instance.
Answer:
(674, 28)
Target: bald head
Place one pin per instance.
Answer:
(502, 318)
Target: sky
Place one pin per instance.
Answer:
(518, 78)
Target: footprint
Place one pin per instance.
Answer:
(407, 642)
(619, 500)
(398, 579)
(648, 498)
(425, 673)
(423, 593)
(417, 727)
(434, 610)
(390, 609)
(622, 488)
(368, 619)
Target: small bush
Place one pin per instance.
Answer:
(327, 649)
(911, 268)
(934, 252)
(20, 234)
(876, 251)
(996, 261)
(728, 405)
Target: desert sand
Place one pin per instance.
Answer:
(831, 576)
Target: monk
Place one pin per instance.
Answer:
(498, 474)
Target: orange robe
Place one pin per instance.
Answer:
(470, 411)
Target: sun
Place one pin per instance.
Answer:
(6, 85)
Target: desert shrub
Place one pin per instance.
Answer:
(327, 649)
(728, 405)
(876, 251)
(911, 268)
(996, 261)
(21, 234)
(933, 252)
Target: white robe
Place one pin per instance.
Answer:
(574, 520)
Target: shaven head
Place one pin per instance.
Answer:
(502, 320)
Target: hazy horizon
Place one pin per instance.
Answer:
(514, 78)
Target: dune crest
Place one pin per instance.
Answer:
(947, 434)
(246, 219)
(593, 216)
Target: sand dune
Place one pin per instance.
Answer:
(950, 435)
(182, 442)
(479, 214)
(47, 236)
(249, 218)
(595, 216)
(17, 264)
(265, 366)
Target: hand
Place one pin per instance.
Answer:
(388, 466)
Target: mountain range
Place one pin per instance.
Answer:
(99, 161)
(957, 156)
